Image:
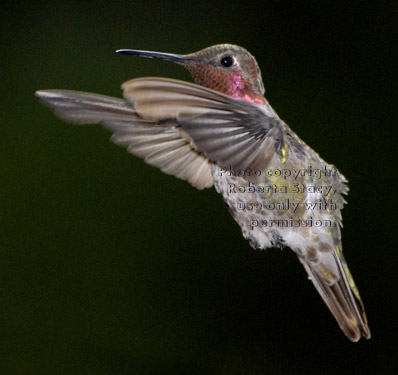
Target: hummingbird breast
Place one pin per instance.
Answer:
(275, 209)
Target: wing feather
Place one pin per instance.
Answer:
(160, 145)
(229, 131)
(178, 127)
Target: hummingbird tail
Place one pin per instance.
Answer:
(341, 297)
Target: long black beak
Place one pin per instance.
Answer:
(181, 59)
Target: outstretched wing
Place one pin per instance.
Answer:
(231, 132)
(160, 145)
(179, 127)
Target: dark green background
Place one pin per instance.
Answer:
(108, 266)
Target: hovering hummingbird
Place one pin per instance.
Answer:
(222, 132)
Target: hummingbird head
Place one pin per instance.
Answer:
(226, 68)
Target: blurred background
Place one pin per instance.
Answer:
(108, 266)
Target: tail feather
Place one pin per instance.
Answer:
(341, 297)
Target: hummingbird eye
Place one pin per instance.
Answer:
(227, 61)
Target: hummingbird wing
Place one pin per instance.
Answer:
(179, 127)
(231, 132)
(159, 144)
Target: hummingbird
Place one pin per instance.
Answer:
(221, 131)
